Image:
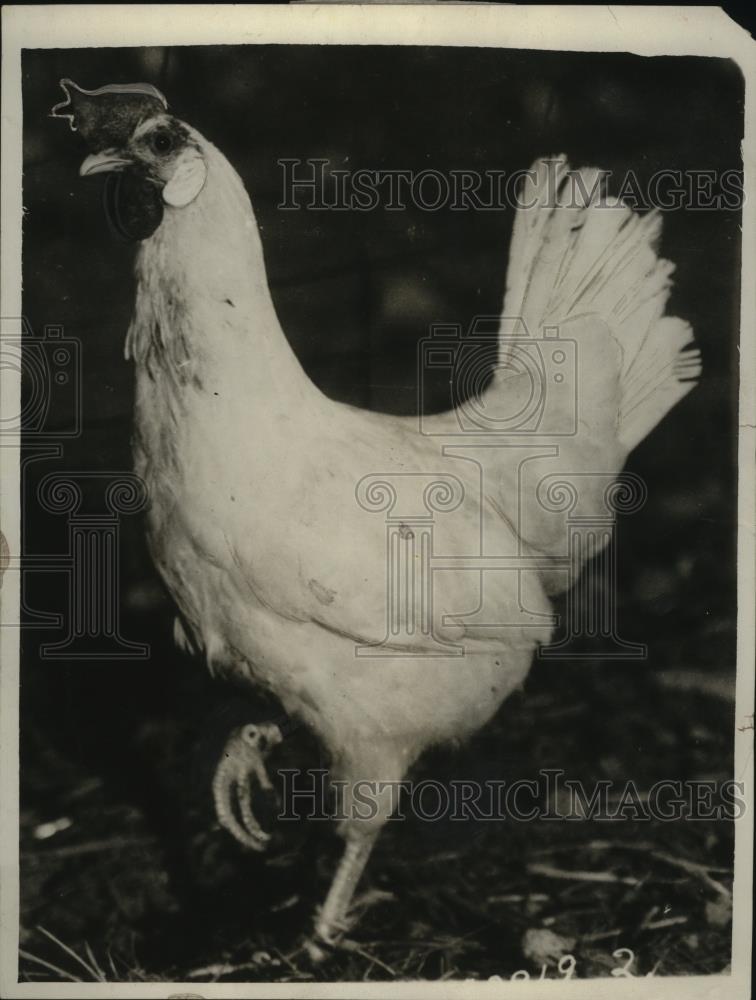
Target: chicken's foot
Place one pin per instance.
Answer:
(243, 760)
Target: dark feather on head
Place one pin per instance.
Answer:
(133, 206)
(108, 116)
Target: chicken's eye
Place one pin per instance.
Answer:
(162, 142)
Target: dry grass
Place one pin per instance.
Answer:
(107, 898)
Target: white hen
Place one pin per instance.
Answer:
(264, 520)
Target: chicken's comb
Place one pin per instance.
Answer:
(107, 116)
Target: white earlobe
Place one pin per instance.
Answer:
(187, 181)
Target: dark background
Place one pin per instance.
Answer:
(125, 750)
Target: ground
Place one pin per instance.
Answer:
(142, 885)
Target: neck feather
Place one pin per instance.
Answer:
(202, 298)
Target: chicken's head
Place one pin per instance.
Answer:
(129, 131)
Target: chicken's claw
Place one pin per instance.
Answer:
(244, 759)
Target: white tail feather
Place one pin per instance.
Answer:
(577, 252)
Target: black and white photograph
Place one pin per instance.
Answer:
(377, 548)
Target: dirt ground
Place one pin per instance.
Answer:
(140, 884)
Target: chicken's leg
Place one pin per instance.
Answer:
(331, 920)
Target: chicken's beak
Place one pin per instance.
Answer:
(100, 163)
